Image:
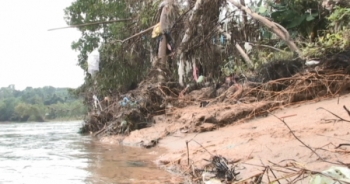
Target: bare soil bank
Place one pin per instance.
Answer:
(256, 143)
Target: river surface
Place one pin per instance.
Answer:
(55, 153)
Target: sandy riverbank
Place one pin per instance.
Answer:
(258, 142)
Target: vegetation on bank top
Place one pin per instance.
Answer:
(39, 104)
(200, 34)
(219, 42)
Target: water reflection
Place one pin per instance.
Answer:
(127, 165)
(55, 153)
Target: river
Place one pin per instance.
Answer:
(54, 152)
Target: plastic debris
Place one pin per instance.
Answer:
(124, 123)
(209, 178)
(126, 102)
(123, 102)
(311, 62)
(156, 31)
(248, 48)
(97, 102)
(200, 79)
(334, 175)
(93, 62)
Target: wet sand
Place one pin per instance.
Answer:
(258, 142)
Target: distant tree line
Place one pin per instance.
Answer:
(39, 104)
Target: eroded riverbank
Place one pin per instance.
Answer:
(256, 143)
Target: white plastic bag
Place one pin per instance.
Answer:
(341, 174)
(96, 102)
(93, 62)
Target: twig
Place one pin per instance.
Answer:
(333, 137)
(267, 46)
(267, 174)
(274, 175)
(88, 24)
(255, 175)
(347, 110)
(148, 29)
(284, 167)
(135, 35)
(188, 154)
(255, 165)
(287, 116)
(341, 119)
(340, 145)
(202, 147)
(169, 90)
(299, 177)
(313, 151)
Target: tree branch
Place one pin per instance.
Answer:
(279, 30)
(89, 24)
(341, 119)
(137, 34)
(245, 56)
(312, 150)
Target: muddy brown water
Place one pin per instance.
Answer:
(56, 153)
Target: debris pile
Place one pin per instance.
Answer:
(241, 100)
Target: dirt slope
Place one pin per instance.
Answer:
(265, 139)
(261, 141)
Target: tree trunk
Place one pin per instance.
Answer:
(183, 63)
(166, 21)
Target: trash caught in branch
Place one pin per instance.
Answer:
(93, 62)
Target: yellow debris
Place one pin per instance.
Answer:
(156, 30)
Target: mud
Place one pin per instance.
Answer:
(257, 142)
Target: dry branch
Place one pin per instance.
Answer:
(311, 149)
(340, 145)
(135, 35)
(245, 56)
(273, 26)
(340, 118)
(267, 46)
(291, 131)
(89, 24)
(346, 109)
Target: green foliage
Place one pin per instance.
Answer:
(7, 107)
(264, 56)
(336, 39)
(340, 18)
(124, 64)
(120, 65)
(38, 104)
(29, 112)
(229, 68)
(299, 16)
(82, 11)
(329, 43)
(148, 13)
